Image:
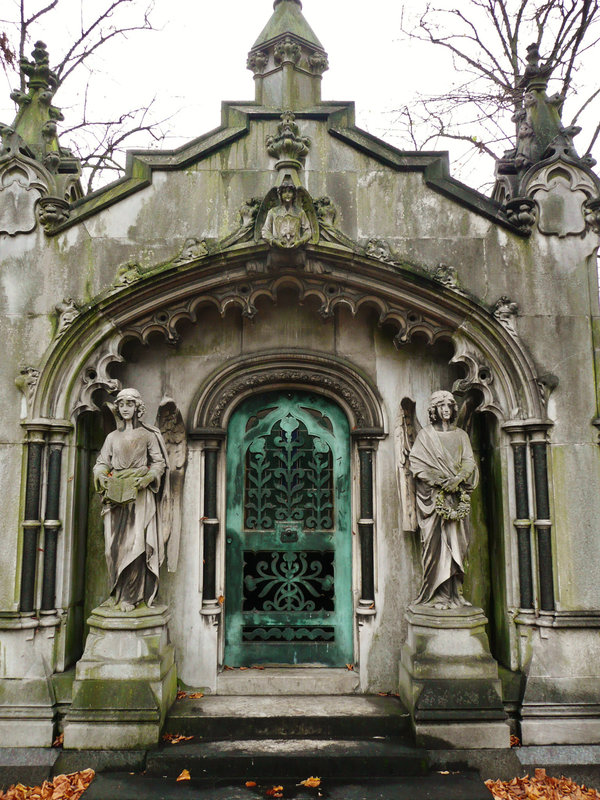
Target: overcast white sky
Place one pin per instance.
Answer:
(197, 58)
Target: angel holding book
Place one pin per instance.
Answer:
(132, 474)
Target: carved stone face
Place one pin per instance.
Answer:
(446, 410)
(287, 196)
(127, 407)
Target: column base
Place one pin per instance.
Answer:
(125, 682)
(449, 681)
(27, 712)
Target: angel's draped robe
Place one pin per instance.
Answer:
(133, 535)
(436, 456)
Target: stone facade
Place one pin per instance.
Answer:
(396, 280)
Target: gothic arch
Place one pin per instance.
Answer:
(282, 369)
(492, 357)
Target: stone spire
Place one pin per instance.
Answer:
(288, 60)
(32, 160)
(541, 136)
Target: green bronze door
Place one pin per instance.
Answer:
(289, 541)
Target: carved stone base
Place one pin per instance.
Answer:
(449, 681)
(125, 681)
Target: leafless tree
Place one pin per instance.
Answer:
(99, 143)
(487, 43)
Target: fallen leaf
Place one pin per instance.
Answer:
(243, 668)
(350, 667)
(59, 741)
(221, 599)
(184, 775)
(225, 667)
(63, 787)
(181, 694)
(276, 791)
(256, 666)
(443, 772)
(250, 784)
(515, 741)
(312, 783)
(195, 695)
(175, 738)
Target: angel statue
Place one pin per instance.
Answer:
(287, 225)
(133, 476)
(440, 460)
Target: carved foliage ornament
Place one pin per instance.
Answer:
(288, 144)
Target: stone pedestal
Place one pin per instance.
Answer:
(125, 681)
(449, 680)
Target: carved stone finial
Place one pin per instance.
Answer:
(288, 146)
(540, 133)
(32, 142)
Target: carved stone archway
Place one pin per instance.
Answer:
(283, 369)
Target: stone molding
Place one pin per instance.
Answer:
(282, 369)
(79, 362)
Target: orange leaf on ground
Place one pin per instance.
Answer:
(58, 742)
(250, 784)
(181, 694)
(350, 667)
(195, 695)
(63, 787)
(312, 783)
(276, 791)
(221, 599)
(184, 775)
(540, 787)
(175, 738)
(515, 741)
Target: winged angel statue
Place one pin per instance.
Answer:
(139, 473)
(436, 475)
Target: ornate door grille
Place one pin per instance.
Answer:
(289, 549)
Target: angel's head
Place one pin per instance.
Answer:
(442, 407)
(130, 404)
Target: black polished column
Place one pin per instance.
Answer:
(523, 521)
(51, 526)
(31, 521)
(366, 527)
(543, 524)
(212, 439)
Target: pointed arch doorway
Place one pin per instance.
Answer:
(288, 532)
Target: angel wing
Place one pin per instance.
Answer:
(405, 432)
(170, 423)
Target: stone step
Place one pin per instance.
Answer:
(287, 680)
(355, 716)
(124, 786)
(252, 759)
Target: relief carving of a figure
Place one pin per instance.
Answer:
(286, 226)
(132, 475)
(443, 466)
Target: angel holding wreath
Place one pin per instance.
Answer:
(442, 464)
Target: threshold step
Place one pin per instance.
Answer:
(247, 759)
(287, 681)
(224, 717)
(462, 786)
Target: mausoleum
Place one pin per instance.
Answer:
(285, 294)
